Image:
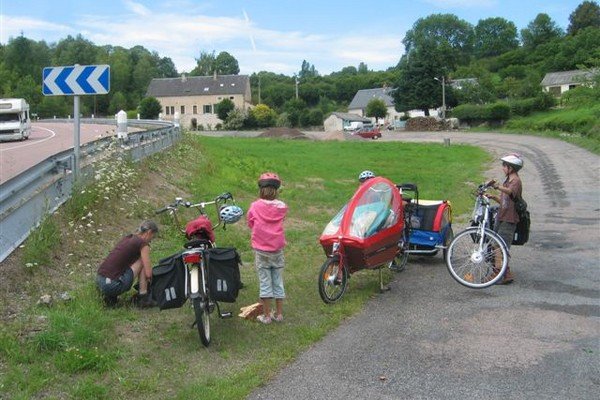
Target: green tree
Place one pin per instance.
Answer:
(205, 65)
(263, 115)
(494, 36)
(417, 88)
(142, 74)
(75, 50)
(224, 107)
(166, 68)
(585, 15)
(226, 64)
(444, 32)
(377, 109)
(149, 108)
(539, 31)
(26, 57)
(118, 102)
(307, 71)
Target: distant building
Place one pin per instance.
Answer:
(460, 83)
(338, 121)
(361, 99)
(557, 83)
(195, 97)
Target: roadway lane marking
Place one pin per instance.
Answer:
(20, 145)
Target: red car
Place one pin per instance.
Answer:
(368, 133)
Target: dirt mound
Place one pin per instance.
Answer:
(288, 133)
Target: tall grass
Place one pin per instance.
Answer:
(78, 349)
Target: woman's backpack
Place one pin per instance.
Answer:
(522, 231)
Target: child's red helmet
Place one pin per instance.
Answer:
(269, 179)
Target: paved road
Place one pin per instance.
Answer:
(45, 140)
(431, 338)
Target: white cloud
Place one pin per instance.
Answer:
(181, 36)
(13, 26)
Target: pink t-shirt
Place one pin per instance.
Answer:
(265, 219)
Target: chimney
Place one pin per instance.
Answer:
(215, 75)
(183, 78)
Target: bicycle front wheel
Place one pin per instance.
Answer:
(202, 314)
(333, 280)
(399, 262)
(477, 263)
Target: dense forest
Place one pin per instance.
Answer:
(506, 63)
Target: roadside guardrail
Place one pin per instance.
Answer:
(27, 198)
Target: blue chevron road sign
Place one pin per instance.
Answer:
(76, 80)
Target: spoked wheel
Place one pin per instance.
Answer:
(473, 265)
(202, 319)
(447, 240)
(333, 280)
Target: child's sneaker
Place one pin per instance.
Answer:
(276, 318)
(265, 319)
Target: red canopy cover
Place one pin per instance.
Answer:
(374, 215)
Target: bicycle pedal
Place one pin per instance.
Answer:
(226, 315)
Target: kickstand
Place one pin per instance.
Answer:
(382, 288)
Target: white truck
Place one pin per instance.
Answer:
(15, 123)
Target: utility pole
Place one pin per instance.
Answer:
(443, 81)
(259, 101)
(296, 88)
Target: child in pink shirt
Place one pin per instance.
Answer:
(265, 219)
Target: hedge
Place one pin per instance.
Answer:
(498, 111)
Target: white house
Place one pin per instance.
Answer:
(195, 97)
(557, 83)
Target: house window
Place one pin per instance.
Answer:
(167, 110)
(172, 110)
(554, 90)
(230, 97)
(207, 109)
(206, 89)
(182, 110)
(195, 109)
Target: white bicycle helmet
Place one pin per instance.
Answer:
(231, 214)
(363, 176)
(514, 160)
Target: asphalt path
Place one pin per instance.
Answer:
(46, 139)
(431, 338)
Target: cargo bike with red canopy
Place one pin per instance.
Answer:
(373, 231)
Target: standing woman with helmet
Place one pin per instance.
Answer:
(265, 219)
(510, 189)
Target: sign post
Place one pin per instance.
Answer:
(74, 81)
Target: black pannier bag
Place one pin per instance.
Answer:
(169, 282)
(224, 274)
(522, 231)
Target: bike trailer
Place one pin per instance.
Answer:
(369, 226)
(224, 274)
(429, 222)
(170, 282)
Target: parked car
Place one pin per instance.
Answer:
(368, 132)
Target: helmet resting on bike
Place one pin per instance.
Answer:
(363, 176)
(514, 160)
(230, 214)
(269, 179)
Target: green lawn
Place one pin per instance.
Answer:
(77, 349)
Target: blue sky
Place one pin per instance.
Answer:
(262, 35)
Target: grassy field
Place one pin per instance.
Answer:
(580, 126)
(76, 349)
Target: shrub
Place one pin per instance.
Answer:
(475, 113)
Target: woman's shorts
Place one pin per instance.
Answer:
(506, 230)
(115, 287)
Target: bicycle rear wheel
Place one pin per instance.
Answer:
(332, 281)
(474, 265)
(202, 314)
